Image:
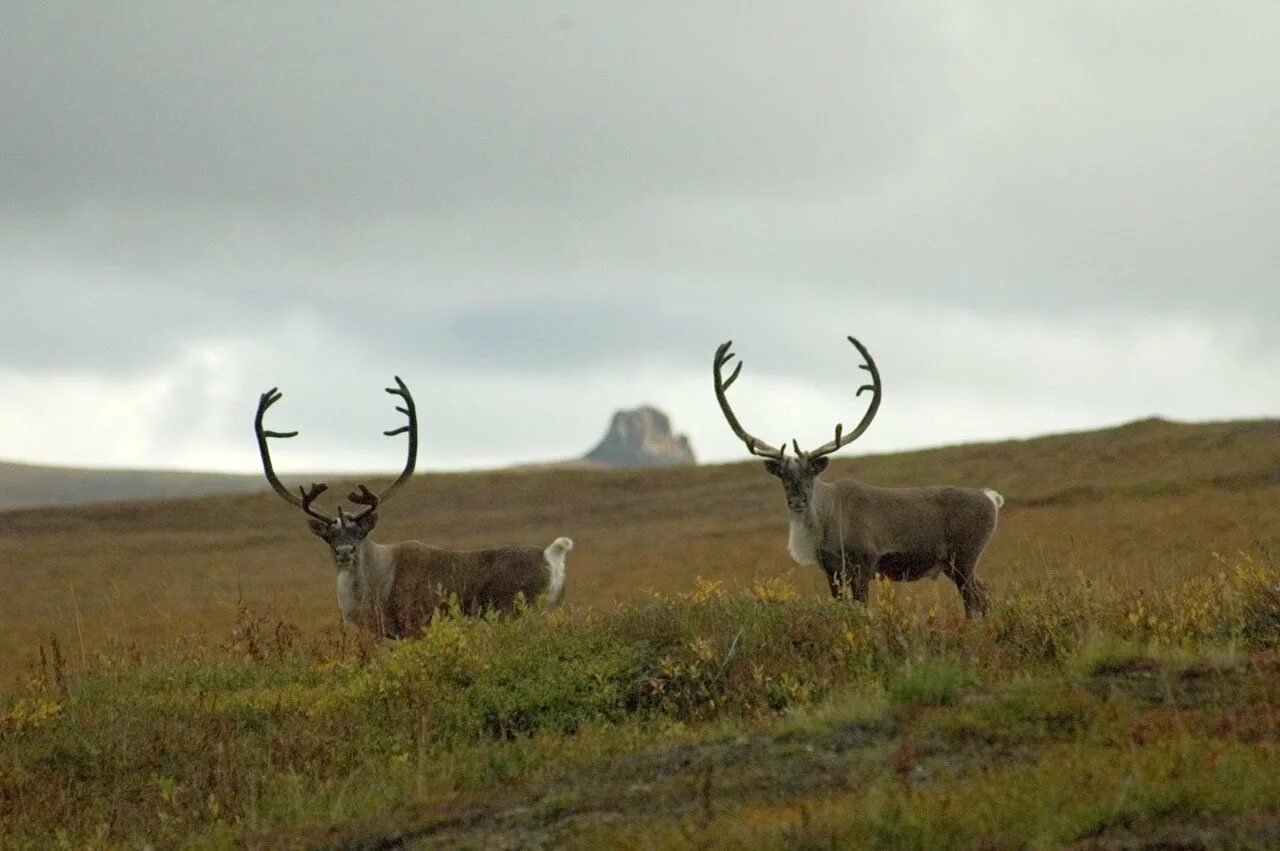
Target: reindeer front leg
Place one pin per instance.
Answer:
(837, 581)
(848, 576)
(837, 577)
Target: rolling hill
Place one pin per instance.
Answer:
(31, 485)
(1151, 498)
(639, 438)
(696, 690)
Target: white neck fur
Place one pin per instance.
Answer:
(366, 585)
(802, 543)
(806, 528)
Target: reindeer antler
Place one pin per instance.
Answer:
(755, 445)
(309, 496)
(362, 495)
(845, 439)
(266, 400)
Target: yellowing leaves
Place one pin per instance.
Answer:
(29, 713)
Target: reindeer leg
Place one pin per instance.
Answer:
(838, 579)
(972, 592)
(848, 575)
(863, 571)
(976, 598)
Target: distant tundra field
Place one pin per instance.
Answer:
(175, 672)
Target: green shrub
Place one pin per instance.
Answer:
(930, 682)
(1259, 605)
(281, 733)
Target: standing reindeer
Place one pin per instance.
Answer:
(854, 531)
(393, 589)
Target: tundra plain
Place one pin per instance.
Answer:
(174, 672)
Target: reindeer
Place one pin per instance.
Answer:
(393, 589)
(854, 530)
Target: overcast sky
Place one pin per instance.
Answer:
(1038, 217)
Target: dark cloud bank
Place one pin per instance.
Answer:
(1038, 218)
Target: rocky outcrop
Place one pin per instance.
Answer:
(642, 438)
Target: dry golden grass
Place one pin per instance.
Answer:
(1123, 688)
(1148, 502)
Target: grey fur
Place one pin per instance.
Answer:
(855, 531)
(902, 534)
(394, 589)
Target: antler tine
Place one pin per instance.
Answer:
(875, 388)
(265, 401)
(755, 445)
(309, 496)
(363, 496)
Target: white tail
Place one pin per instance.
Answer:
(554, 556)
(994, 497)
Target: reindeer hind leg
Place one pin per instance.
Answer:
(963, 572)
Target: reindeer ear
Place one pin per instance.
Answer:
(367, 522)
(318, 527)
(819, 464)
(774, 467)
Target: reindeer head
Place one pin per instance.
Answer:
(798, 473)
(346, 532)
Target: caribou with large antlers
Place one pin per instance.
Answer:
(393, 589)
(853, 530)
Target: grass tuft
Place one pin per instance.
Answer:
(699, 707)
(930, 682)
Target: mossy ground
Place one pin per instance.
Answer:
(172, 674)
(708, 719)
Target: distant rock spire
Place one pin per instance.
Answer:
(642, 438)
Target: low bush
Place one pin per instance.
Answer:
(273, 728)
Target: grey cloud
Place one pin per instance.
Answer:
(62, 326)
(389, 105)
(535, 199)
